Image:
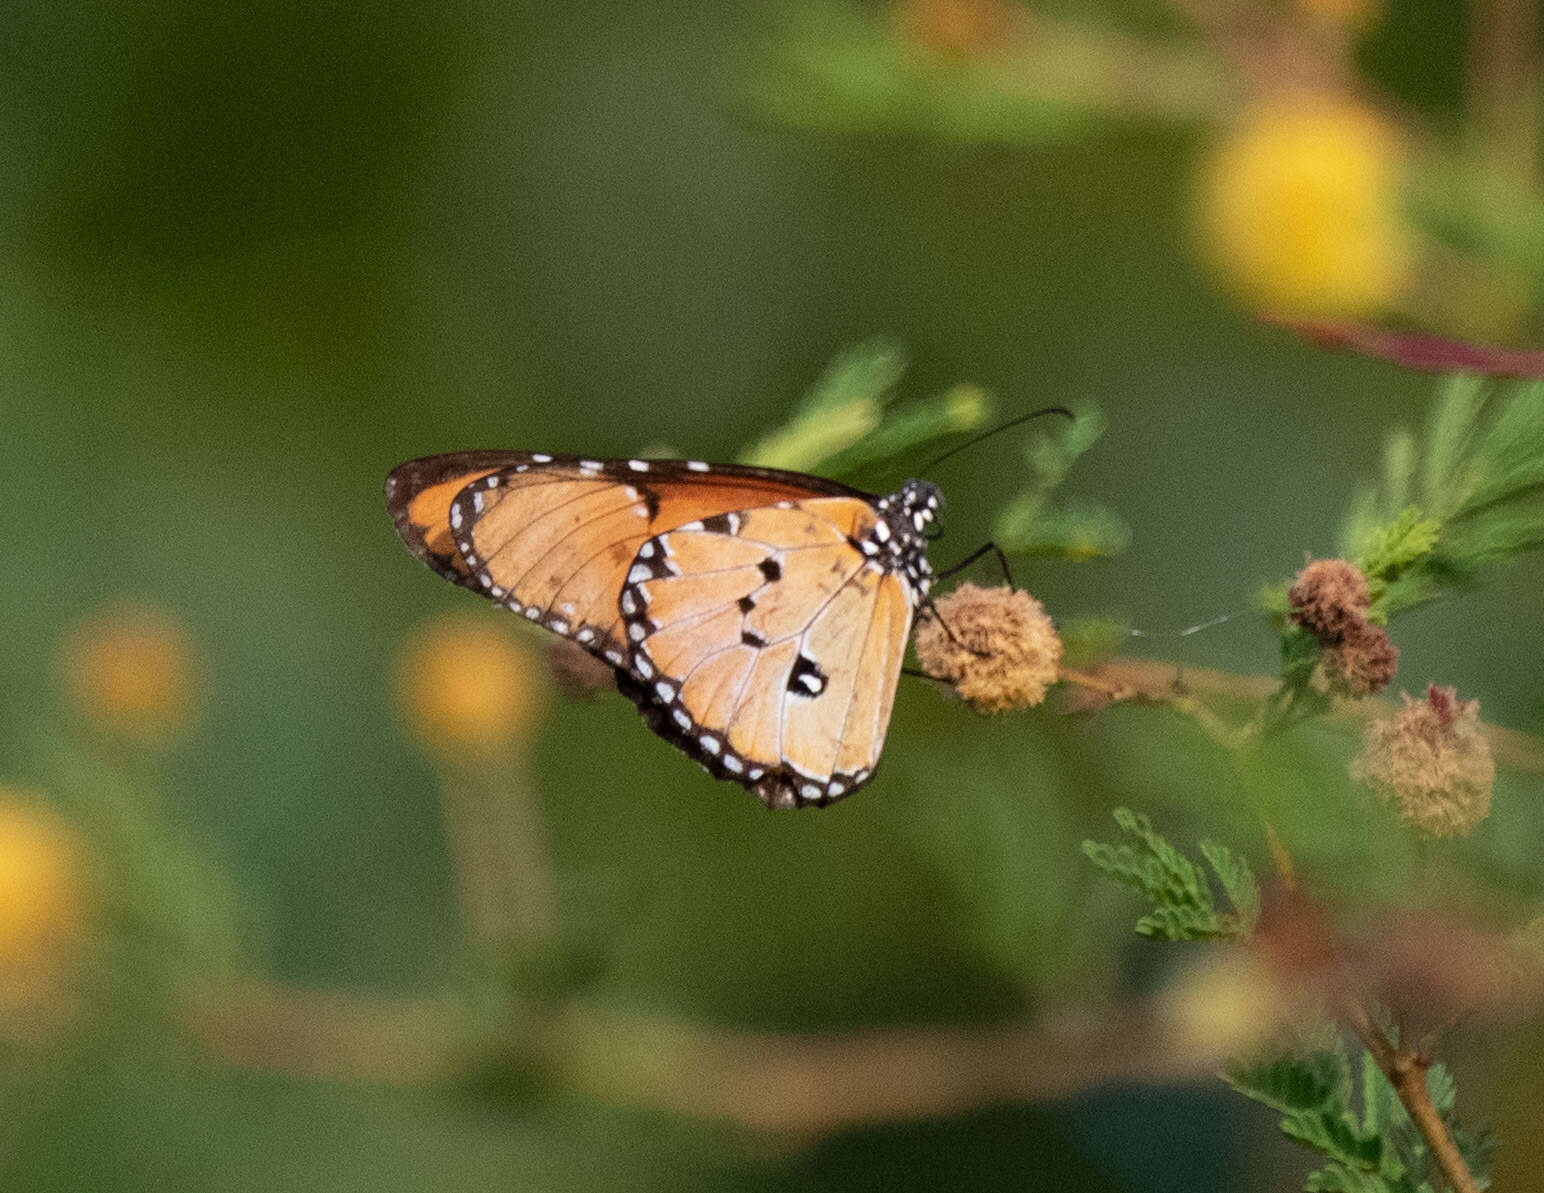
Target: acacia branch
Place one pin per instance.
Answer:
(1406, 1069)
(806, 1084)
(1191, 691)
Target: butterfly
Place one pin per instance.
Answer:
(757, 618)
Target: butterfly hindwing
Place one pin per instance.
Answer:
(770, 645)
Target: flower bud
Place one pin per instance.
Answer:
(1363, 662)
(1431, 763)
(1327, 597)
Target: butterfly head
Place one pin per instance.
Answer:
(901, 532)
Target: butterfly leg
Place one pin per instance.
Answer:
(1002, 561)
(932, 610)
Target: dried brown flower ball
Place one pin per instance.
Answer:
(1328, 597)
(1004, 652)
(1431, 762)
(1363, 662)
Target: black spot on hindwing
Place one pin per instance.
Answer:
(806, 678)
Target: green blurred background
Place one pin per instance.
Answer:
(254, 256)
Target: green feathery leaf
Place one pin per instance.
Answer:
(1378, 1150)
(1031, 524)
(846, 422)
(1183, 905)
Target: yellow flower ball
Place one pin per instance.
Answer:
(42, 897)
(1299, 209)
(466, 687)
(1225, 1003)
(45, 918)
(132, 669)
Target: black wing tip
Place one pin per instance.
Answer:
(411, 477)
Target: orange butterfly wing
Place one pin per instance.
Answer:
(768, 646)
(733, 602)
(418, 497)
(553, 537)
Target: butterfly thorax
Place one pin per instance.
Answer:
(898, 537)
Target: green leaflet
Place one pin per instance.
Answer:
(849, 421)
(1375, 1151)
(1466, 497)
(850, 426)
(1076, 529)
(1183, 905)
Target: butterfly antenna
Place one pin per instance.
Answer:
(997, 430)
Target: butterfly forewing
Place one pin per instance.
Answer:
(418, 496)
(772, 644)
(553, 537)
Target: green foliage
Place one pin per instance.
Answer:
(849, 426)
(1377, 1150)
(1444, 511)
(1296, 699)
(853, 68)
(846, 423)
(1089, 640)
(174, 912)
(842, 67)
(841, 408)
(1077, 530)
(1030, 524)
(1183, 906)
(1466, 498)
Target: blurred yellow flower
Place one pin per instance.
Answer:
(1225, 1003)
(1354, 15)
(132, 669)
(1299, 209)
(466, 686)
(43, 903)
(956, 28)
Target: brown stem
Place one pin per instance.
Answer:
(804, 1084)
(1406, 1070)
(498, 848)
(1504, 74)
(1120, 680)
(1173, 695)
